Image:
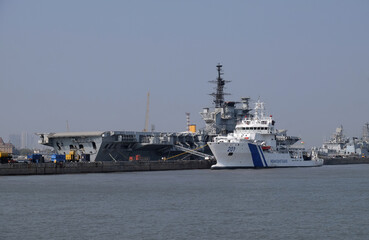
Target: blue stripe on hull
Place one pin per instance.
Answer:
(255, 155)
(262, 155)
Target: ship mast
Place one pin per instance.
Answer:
(219, 94)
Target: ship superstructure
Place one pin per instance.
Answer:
(224, 117)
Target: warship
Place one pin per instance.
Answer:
(153, 146)
(340, 146)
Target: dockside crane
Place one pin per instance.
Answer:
(147, 113)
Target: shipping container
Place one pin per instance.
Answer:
(36, 158)
(69, 157)
(58, 158)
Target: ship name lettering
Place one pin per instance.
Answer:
(231, 149)
(279, 161)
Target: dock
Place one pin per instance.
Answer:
(346, 160)
(100, 167)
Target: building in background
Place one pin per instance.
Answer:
(6, 147)
(24, 140)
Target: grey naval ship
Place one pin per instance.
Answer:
(340, 146)
(155, 146)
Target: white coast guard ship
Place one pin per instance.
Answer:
(256, 144)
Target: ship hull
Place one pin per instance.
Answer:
(249, 155)
(128, 145)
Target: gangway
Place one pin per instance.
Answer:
(194, 152)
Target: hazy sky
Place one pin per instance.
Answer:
(93, 62)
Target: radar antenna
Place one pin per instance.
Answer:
(219, 94)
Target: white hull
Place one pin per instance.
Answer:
(249, 155)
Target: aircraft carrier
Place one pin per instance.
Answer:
(153, 146)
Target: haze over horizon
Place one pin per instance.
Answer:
(91, 63)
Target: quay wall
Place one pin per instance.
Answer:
(100, 167)
(106, 167)
(348, 160)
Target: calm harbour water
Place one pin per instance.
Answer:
(329, 202)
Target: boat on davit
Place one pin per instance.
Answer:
(255, 143)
